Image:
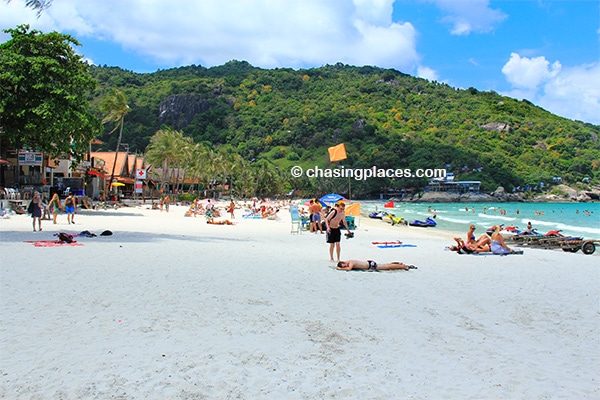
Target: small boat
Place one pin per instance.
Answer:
(378, 214)
(429, 222)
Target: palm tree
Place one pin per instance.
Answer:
(201, 163)
(165, 149)
(115, 106)
(38, 5)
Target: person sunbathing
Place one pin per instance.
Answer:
(478, 246)
(213, 222)
(371, 265)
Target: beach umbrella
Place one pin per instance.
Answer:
(331, 198)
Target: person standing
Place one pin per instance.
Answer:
(35, 207)
(334, 234)
(232, 209)
(70, 208)
(315, 216)
(54, 205)
(167, 201)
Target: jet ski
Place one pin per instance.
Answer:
(378, 214)
(429, 222)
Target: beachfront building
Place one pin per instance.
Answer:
(458, 187)
(127, 169)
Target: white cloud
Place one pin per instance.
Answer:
(528, 73)
(266, 33)
(467, 16)
(427, 73)
(572, 92)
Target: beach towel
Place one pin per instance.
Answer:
(385, 271)
(489, 253)
(52, 243)
(389, 246)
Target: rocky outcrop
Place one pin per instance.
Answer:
(439, 197)
(496, 126)
(179, 110)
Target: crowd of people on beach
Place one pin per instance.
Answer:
(328, 220)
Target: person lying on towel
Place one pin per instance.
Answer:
(371, 265)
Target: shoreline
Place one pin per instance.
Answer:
(172, 307)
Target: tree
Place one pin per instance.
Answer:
(43, 94)
(115, 106)
(165, 149)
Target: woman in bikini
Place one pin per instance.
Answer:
(371, 265)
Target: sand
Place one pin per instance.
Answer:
(169, 307)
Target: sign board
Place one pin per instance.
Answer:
(140, 174)
(30, 158)
(139, 186)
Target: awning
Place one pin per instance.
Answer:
(95, 173)
(128, 181)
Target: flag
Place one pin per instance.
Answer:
(352, 209)
(337, 153)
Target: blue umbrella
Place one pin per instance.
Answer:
(331, 198)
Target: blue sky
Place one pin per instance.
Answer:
(546, 51)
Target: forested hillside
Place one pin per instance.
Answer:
(385, 118)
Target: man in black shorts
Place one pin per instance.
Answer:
(332, 222)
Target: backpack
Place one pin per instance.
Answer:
(334, 212)
(65, 237)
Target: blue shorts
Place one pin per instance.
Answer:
(69, 209)
(316, 218)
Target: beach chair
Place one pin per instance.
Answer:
(296, 220)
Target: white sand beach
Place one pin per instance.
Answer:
(169, 307)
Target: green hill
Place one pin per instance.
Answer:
(385, 118)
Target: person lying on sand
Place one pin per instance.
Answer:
(479, 246)
(213, 222)
(371, 265)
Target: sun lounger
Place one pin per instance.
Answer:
(296, 220)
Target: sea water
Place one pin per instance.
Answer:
(577, 219)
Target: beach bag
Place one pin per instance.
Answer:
(65, 237)
(30, 208)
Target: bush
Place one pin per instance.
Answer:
(187, 197)
(293, 156)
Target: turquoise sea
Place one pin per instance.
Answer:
(578, 219)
